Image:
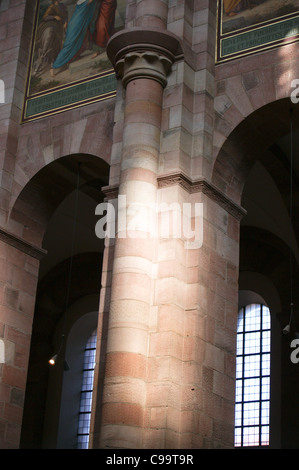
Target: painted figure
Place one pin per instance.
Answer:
(77, 33)
(50, 34)
(104, 27)
(232, 7)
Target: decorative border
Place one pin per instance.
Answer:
(75, 94)
(56, 101)
(260, 37)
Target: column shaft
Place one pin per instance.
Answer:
(127, 345)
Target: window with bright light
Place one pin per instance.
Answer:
(86, 392)
(252, 406)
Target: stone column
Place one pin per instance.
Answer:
(142, 58)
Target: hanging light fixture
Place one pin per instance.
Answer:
(52, 361)
(287, 328)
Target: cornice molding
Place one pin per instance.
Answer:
(111, 192)
(22, 245)
(192, 187)
(202, 186)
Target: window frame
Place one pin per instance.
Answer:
(243, 353)
(79, 330)
(86, 391)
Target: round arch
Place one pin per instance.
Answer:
(45, 191)
(44, 212)
(257, 137)
(253, 169)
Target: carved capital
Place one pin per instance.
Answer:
(142, 53)
(143, 65)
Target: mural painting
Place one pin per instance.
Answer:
(68, 64)
(248, 26)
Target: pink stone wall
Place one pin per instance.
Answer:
(19, 273)
(242, 88)
(169, 370)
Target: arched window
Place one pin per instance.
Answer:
(86, 392)
(252, 406)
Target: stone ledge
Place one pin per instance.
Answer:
(192, 187)
(22, 245)
(204, 186)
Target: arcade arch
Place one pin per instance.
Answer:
(253, 169)
(45, 209)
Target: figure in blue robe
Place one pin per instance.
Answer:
(76, 33)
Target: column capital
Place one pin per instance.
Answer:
(140, 53)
